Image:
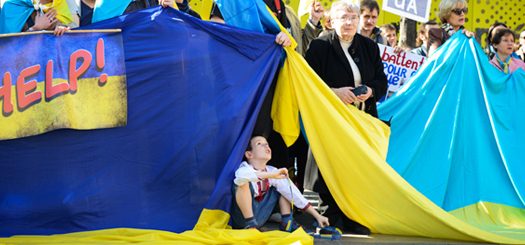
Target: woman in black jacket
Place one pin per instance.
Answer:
(345, 60)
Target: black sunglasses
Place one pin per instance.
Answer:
(458, 11)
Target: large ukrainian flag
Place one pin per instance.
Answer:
(194, 90)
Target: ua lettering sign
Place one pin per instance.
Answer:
(418, 10)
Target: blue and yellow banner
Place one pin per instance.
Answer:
(75, 81)
(194, 91)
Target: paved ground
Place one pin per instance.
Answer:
(306, 220)
(387, 239)
(372, 239)
(379, 239)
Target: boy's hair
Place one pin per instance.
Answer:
(388, 27)
(249, 147)
(423, 31)
(370, 5)
(423, 27)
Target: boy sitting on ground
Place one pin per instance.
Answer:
(259, 187)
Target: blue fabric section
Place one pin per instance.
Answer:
(248, 14)
(25, 51)
(14, 15)
(107, 9)
(193, 99)
(457, 129)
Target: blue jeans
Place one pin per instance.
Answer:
(261, 210)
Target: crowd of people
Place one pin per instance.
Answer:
(61, 16)
(340, 45)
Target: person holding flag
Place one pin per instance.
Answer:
(351, 66)
(503, 43)
(28, 16)
(84, 9)
(452, 14)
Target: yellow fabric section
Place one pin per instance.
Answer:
(203, 7)
(63, 12)
(90, 107)
(212, 228)
(350, 148)
(494, 217)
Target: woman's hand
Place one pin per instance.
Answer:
(468, 33)
(45, 21)
(345, 94)
(365, 96)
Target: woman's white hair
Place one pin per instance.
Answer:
(347, 5)
(446, 7)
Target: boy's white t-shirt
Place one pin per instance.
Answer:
(246, 173)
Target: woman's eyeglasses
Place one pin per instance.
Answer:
(458, 11)
(345, 18)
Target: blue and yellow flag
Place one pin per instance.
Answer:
(456, 137)
(193, 99)
(350, 148)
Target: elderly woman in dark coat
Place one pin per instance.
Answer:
(346, 60)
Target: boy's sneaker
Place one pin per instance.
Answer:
(289, 226)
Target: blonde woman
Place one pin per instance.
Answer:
(452, 14)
